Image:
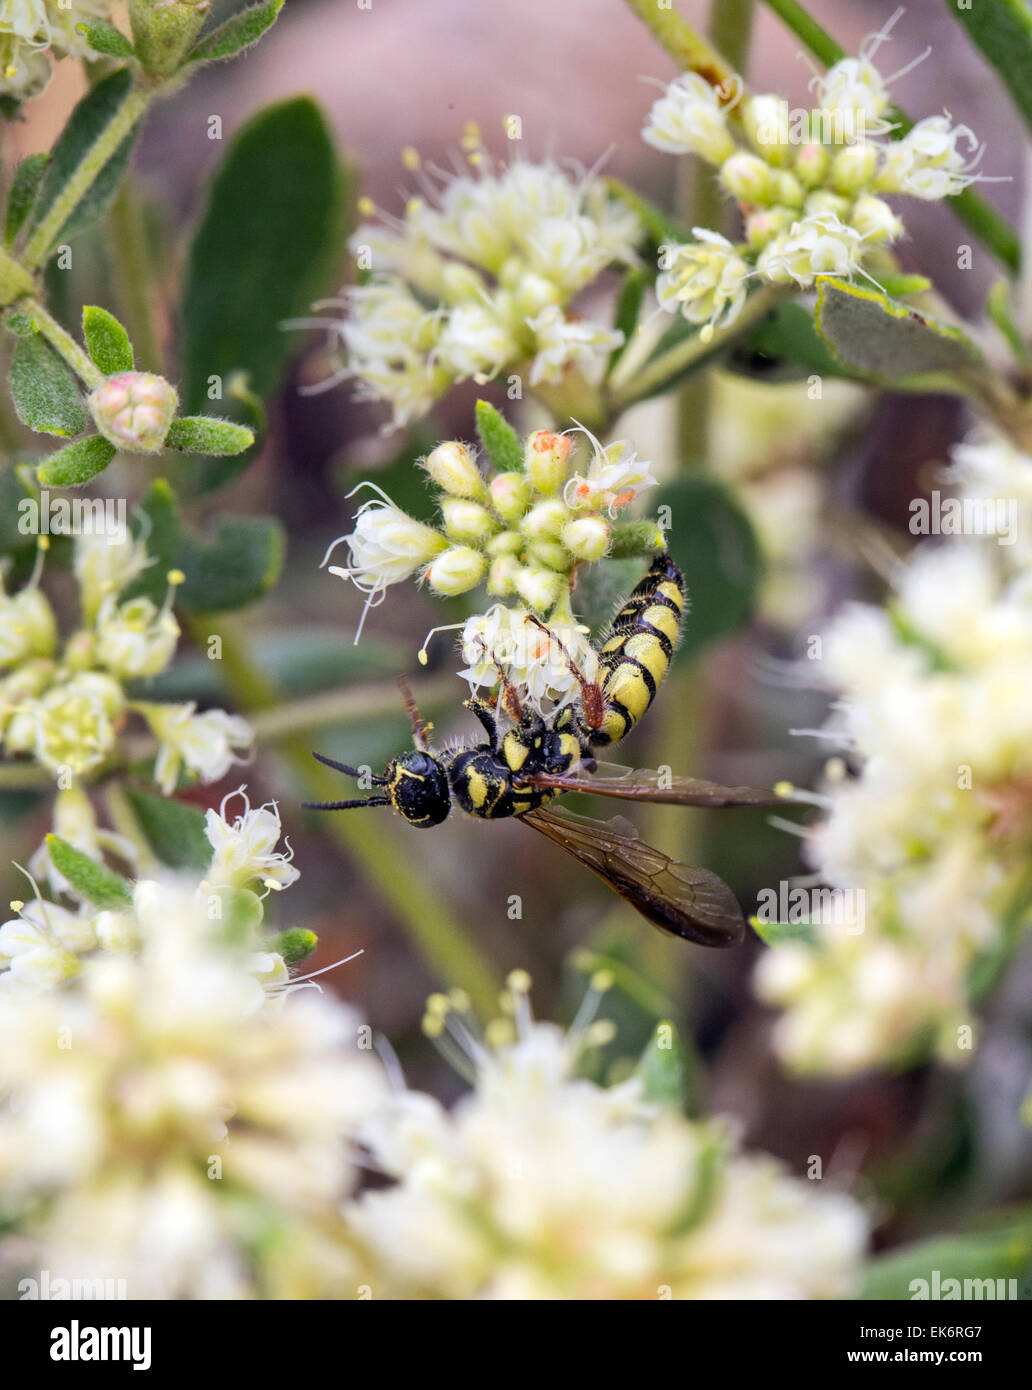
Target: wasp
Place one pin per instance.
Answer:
(519, 769)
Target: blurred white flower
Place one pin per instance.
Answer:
(561, 341)
(208, 743)
(244, 849)
(689, 119)
(615, 476)
(70, 727)
(705, 279)
(927, 162)
(135, 638)
(105, 564)
(27, 625)
(820, 244)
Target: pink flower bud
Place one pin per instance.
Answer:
(133, 410)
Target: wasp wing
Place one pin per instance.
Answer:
(687, 902)
(641, 784)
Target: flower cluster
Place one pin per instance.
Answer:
(168, 1117)
(28, 28)
(935, 827)
(65, 707)
(811, 185)
(478, 278)
(522, 532)
(542, 1184)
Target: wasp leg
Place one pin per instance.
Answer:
(420, 729)
(485, 714)
(510, 695)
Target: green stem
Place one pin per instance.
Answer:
(658, 372)
(688, 49)
(350, 706)
(451, 955)
(983, 219)
(14, 279)
(93, 162)
(63, 343)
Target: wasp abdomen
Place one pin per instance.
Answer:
(636, 656)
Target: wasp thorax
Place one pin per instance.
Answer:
(419, 788)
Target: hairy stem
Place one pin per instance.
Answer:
(62, 342)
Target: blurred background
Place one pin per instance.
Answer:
(825, 487)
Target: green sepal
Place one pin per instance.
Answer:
(95, 882)
(500, 441)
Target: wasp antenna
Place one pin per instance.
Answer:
(348, 770)
(345, 805)
(419, 727)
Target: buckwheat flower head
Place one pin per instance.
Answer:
(245, 847)
(561, 341)
(41, 946)
(475, 341)
(70, 727)
(541, 1184)
(29, 27)
(160, 1126)
(105, 564)
(133, 410)
(532, 659)
(689, 119)
(208, 743)
(705, 279)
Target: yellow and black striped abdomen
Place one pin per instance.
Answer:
(636, 656)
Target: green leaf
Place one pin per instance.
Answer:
(106, 341)
(174, 830)
(500, 441)
(240, 563)
(46, 395)
(76, 463)
(93, 113)
(896, 285)
(998, 307)
(13, 492)
(92, 881)
(203, 434)
(892, 344)
(238, 33)
(234, 306)
(996, 1254)
(711, 539)
(24, 188)
(774, 933)
(667, 1068)
(105, 38)
(1002, 30)
(784, 347)
(628, 310)
(155, 520)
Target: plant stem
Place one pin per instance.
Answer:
(688, 49)
(134, 282)
(692, 351)
(982, 218)
(454, 959)
(14, 279)
(63, 343)
(350, 706)
(93, 162)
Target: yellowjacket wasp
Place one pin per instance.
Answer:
(518, 771)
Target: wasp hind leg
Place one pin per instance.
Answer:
(483, 711)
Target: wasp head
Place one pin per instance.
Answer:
(418, 786)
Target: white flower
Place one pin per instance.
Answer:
(70, 727)
(244, 849)
(820, 244)
(206, 743)
(386, 547)
(615, 476)
(474, 342)
(106, 564)
(135, 638)
(927, 163)
(688, 119)
(560, 341)
(532, 659)
(27, 625)
(706, 279)
(40, 947)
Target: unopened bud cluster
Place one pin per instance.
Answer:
(811, 185)
(133, 410)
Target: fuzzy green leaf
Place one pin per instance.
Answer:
(238, 33)
(229, 323)
(95, 882)
(106, 341)
(893, 344)
(46, 395)
(105, 38)
(76, 463)
(174, 830)
(666, 1068)
(500, 441)
(1002, 30)
(93, 113)
(203, 434)
(240, 563)
(24, 188)
(784, 347)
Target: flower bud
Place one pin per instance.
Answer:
(544, 460)
(136, 639)
(766, 223)
(133, 410)
(747, 178)
(510, 495)
(587, 538)
(505, 543)
(765, 120)
(27, 626)
(455, 570)
(823, 200)
(787, 189)
(853, 168)
(537, 587)
(461, 283)
(811, 165)
(501, 576)
(874, 219)
(533, 294)
(467, 521)
(454, 470)
(550, 554)
(545, 521)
